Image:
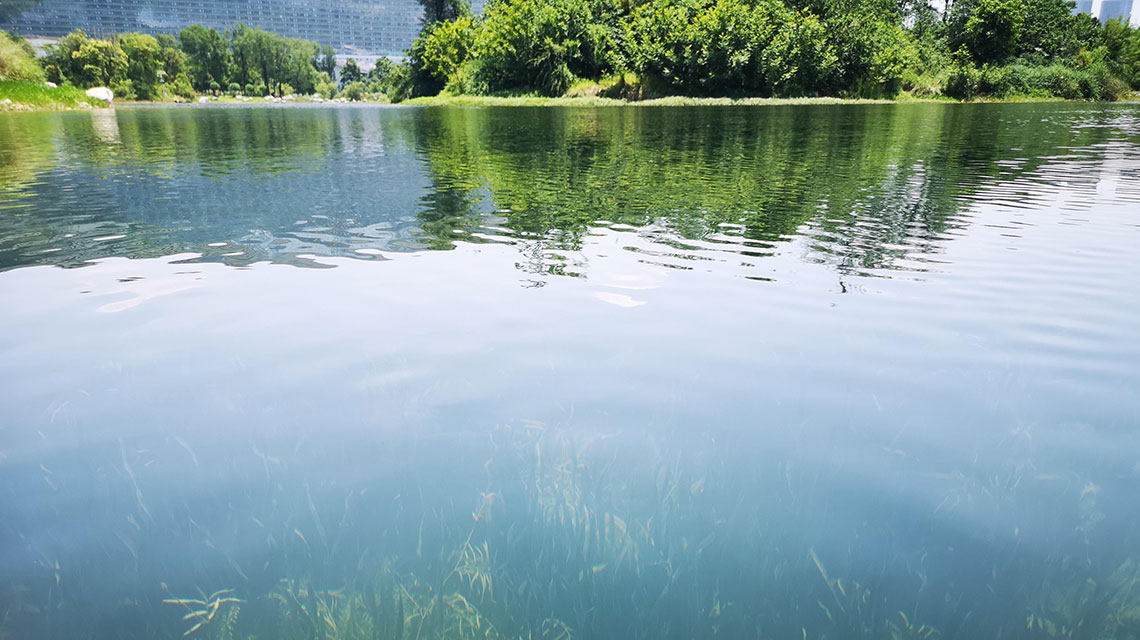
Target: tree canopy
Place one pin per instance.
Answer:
(867, 48)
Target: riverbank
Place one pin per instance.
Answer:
(20, 95)
(40, 98)
(682, 101)
(671, 101)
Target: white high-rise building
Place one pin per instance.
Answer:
(353, 27)
(1112, 9)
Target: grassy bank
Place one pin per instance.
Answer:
(681, 101)
(594, 101)
(25, 95)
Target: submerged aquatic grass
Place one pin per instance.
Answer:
(587, 540)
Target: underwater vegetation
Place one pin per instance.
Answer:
(562, 536)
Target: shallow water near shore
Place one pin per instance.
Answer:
(829, 372)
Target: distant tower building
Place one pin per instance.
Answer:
(1113, 9)
(352, 27)
(1105, 10)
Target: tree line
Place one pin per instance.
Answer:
(197, 60)
(201, 60)
(850, 48)
(645, 48)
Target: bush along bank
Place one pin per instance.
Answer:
(772, 48)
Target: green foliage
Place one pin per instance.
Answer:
(863, 48)
(350, 73)
(1050, 30)
(540, 45)
(173, 60)
(99, 62)
(400, 82)
(354, 91)
(181, 86)
(444, 10)
(145, 63)
(207, 53)
(872, 48)
(1122, 47)
(262, 58)
(17, 61)
(85, 62)
(1095, 82)
(381, 70)
(326, 62)
(991, 32)
(799, 60)
(324, 86)
(446, 46)
(856, 48)
(718, 47)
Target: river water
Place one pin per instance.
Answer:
(822, 372)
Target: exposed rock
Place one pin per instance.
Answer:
(203, 99)
(102, 93)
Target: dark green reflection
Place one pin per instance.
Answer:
(866, 183)
(862, 186)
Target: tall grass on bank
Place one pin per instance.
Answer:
(18, 60)
(37, 95)
(22, 81)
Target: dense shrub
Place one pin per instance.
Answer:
(86, 62)
(324, 86)
(963, 81)
(722, 47)
(873, 51)
(1056, 81)
(540, 44)
(354, 91)
(446, 46)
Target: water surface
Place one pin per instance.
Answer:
(788, 372)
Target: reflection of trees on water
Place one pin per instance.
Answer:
(268, 183)
(868, 186)
(863, 188)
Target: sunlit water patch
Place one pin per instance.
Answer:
(810, 372)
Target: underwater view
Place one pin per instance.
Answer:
(819, 372)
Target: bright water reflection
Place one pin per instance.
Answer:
(823, 372)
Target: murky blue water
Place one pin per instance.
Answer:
(805, 372)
